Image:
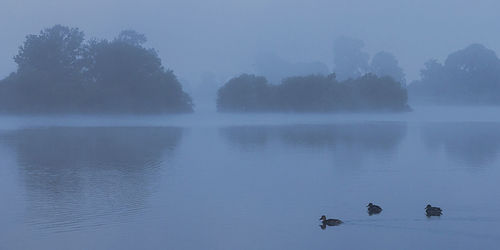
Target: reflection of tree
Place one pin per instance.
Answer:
(74, 173)
(374, 137)
(366, 137)
(475, 144)
(246, 136)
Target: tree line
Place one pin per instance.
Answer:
(313, 93)
(59, 71)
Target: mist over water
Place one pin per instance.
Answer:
(260, 181)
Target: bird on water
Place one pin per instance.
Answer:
(373, 209)
(433, 211)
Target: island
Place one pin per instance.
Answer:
(58, 71)
(313, 93)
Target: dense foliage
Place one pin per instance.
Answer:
(385, 64)
(59, 72)
(468, 76)
(313, 93)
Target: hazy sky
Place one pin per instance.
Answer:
(223, 36)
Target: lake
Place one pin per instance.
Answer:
(257, 181)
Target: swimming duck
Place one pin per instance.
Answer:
(373, 209)
(329, 222)
(433, 211)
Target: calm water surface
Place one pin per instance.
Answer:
(250, 182)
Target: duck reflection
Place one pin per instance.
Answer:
(329, 222)
(74, 175)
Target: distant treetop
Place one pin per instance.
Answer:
(468, 76)
(131, 37)
(350, 60)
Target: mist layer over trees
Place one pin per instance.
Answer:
(358, 84)
(352, 62)
(468, 76)
(313, 93)
(59, 72)
(275, 68)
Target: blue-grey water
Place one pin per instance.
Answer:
(260, 181)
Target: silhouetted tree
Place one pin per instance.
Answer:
(58, 72)
(54, 53)
(432, 70)
(350, 61)
(131, 37)
(48, 73)
(313, 93)
(470, 75)
(371, 92)
(386, 64)
(244, 93)
(132, 77)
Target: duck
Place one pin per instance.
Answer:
(329, 222)
(433, 211)
(373, 209)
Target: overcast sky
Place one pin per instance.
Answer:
(224, 36)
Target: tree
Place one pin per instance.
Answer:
(131, 37)
(350, 61)
(378, 93)
(59, 73)
(475, 69)
(432, 70)
(48, 72)
(132, 77)
(312, 93)
(468, 76)
(246, 92)
(55, 52)
(386, 64)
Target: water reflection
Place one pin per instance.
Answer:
(247, 136)
(357, 136)
(347, 146)
(473, 144)
(83, 176)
